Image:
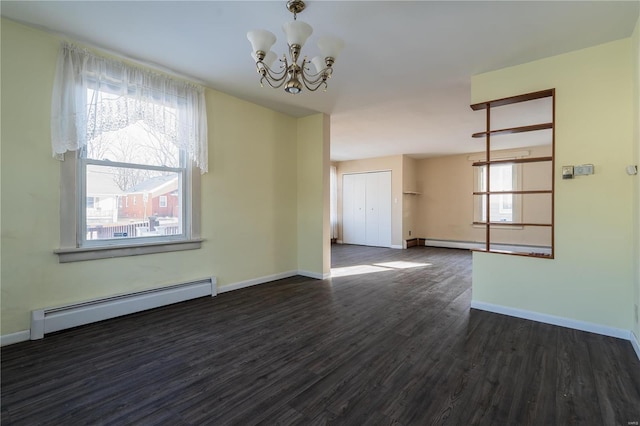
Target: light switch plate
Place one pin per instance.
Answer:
(583, 170)
(567, 172)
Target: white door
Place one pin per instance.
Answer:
(353, 209)
(384, 209)
(366, 209)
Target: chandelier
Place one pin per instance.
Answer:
(312, 74)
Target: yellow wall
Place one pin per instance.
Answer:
(249, 197)
(314, 241)
(591, 278)
(446, 204)
(392, 163)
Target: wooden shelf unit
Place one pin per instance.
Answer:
(511, 224)
(511, 130)
(514, 99)
(487, 134)
(515, 161)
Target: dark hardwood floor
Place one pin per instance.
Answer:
(397, 345)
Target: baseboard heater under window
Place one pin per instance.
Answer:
(48, 320)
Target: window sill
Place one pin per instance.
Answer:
(107, 252)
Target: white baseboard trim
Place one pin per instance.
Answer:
(553, 320)
(256, 281)
(269, 278)
(316, 275)
(10, 339)
(468, 245)
(635, 343)
(472, 245)
(396, 246)
(338, 241)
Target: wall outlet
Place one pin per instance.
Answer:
(409, 233)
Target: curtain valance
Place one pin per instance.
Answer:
(93, 95)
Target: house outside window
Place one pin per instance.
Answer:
(163, 201)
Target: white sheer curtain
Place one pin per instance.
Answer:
(93, 94)
(333, 188)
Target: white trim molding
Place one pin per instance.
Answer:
(108, 252)
(553, 320)
(474, 245)
(270, 278)
(468, 245)
(635, 343)
(316, 275)
(10, 339)
(397, 246)
(256, 281)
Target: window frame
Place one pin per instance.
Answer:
(71, 250)
(182, 171)
(516, 201)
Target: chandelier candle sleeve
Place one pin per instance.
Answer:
(291, 73)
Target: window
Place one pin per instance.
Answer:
(126, 131)
(504, 207)
(163, 201)
(130, 161)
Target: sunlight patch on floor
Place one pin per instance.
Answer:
(378, 267)
(402, 265)
(356, 270)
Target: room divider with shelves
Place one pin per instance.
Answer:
(535, 200)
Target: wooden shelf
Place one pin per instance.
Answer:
(521, 129)
(513, 161)
(512, 224)
(517, 253)
(513, 99)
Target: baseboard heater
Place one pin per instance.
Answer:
(48, 320)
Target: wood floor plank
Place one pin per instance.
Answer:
(576, 399)
(397, 347)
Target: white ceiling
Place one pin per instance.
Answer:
(402, 83)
